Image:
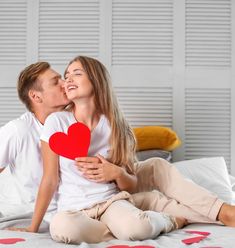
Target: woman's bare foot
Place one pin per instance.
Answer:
(227, 215)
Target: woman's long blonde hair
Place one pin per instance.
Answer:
(122, 140)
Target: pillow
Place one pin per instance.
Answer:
(232, 180)
(210, 173)
(156, 137)
(143, 155)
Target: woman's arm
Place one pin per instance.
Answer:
(100, 170)
(48, 186)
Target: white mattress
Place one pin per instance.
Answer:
(220, 236)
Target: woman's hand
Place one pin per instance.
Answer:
(98, 169)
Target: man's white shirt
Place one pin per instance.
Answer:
(20, 152)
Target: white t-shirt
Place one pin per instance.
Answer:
(20, 150)
(76, 192)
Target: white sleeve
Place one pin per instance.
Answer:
(50, 127)
(9, 143)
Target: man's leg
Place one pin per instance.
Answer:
(156, 201)
(156, 173)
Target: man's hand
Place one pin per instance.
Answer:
(98, 169)
(20, 229)
(1, 169)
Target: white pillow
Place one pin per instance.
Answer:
(210, 173)
(232, 180)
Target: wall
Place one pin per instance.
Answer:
(172, 61)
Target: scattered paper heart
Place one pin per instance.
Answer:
(72, 145)
(10, 241)
(193, 240)
(211, 247)
(135, 246)
(198, 232)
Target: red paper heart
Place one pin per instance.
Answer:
(73, 145)
(199, 232)
(193, 240)
(127, 246)
(211, 247)
(11, 241)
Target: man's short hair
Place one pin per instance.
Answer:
(28, 79)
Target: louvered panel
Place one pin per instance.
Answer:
(146, 106)
(13, 27)
(68, 29)
(207, 127)
(208, 33)
(11, 107)
(142, 32)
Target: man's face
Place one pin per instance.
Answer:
(53, 95)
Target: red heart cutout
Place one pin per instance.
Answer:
(73, 145)
(199, 232)
(193, 240)
(127, 246)
(10, 241)
(211, 247)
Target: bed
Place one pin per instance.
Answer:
(220, 236)
(211, 173)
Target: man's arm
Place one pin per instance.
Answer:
(9, 145)
(99, 170)
(48, 186)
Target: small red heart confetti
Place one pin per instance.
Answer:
(190, 241)
(73, 145)
(10, 241)
(199, 233)
(211, 247)
(127, 246)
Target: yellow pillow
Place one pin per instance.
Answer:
(156, 137)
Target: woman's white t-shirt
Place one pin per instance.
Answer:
(76, 192)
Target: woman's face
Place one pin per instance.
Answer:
(77, 84)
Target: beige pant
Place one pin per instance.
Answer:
(118, 215)
(178, 196)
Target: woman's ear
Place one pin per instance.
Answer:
(35, 96)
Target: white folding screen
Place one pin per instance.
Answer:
(172, 61)
(68, 28)
(13, 55)
(145, 106)
(207, 123)
(13, 28)
(208, 60)
(208, 33)
(142, 32)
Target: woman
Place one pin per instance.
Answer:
(89, 205)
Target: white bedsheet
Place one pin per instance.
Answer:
(220, 236)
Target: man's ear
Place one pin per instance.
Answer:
(35, 96)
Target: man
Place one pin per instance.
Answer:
(40, 89)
